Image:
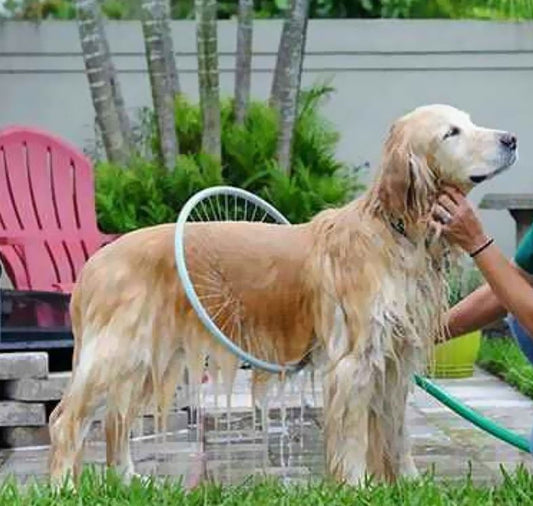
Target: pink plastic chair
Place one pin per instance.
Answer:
(48, 225)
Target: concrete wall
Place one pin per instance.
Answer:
(380, 69)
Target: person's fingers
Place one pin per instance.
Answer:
(435, 221)
(439, 227)
(435, 224)
(445, 201)
(453, 193)
(441, 212)
(442, 215)
(458, 191)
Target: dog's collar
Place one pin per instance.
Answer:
(399, 226)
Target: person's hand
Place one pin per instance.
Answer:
(458, 221)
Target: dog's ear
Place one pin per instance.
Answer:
(404, 176)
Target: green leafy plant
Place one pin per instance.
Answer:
(144, 194)
(463, 279)
(115, 9)
(227, 9)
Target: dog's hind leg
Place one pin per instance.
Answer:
(118, 445)
(114, 380)
(71, 423)
(118, 450)
(121, 414)
(173, 376)
(127, 401)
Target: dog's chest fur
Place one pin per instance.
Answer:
(404, 312)
(407, 312)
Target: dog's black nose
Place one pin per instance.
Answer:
(509, 141)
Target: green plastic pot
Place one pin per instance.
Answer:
(456, 358)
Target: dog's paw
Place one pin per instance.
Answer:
(146, 479)
(408, 469)
(62, 484)
(129, 475)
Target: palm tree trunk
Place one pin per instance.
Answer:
(281, 63)
(206, 38)
(162, 95)
(169, 51)
(115, 86)
(96, 67)
(287, 78)
(302, 47)
(244, 59)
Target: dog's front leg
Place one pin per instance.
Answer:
(349, 388)
(397, 444)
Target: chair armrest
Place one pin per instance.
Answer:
(108, 238)
(65, 288)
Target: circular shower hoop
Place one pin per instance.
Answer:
(431, 388)
(188, 286)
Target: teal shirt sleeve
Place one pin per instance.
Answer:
(524, 253)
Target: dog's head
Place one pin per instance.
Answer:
(438, 144)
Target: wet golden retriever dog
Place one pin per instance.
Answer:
(363, 285)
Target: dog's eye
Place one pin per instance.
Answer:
(453, 131)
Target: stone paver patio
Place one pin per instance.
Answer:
(441, 439)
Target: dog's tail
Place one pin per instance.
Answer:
(76, 322)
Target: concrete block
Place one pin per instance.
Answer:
(145, 426)
(16, 437)
(142, 426)
(23, 365)
(14, 413)
(33, 389)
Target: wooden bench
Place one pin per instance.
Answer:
(519, 205)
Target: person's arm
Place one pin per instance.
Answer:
(475, 311)
(507, 283)
(479, 308)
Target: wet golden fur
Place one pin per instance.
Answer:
(365, 298)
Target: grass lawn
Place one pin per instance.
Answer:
(516, 488)
(502, 357)
(499, 356)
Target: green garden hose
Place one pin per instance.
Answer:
(475, 418)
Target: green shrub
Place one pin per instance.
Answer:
(144, 194)
(266, 9)
(503, 357)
